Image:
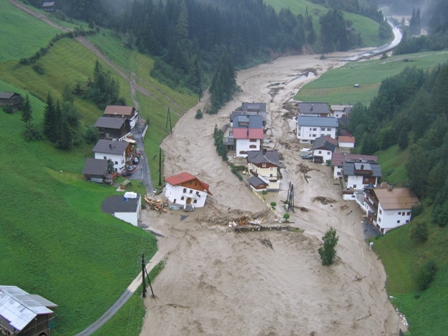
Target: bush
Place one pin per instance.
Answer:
(264, 192)
(92, 135)
(199, 114)
(32, 134)
(286, 216)
(60, 15)
(419, 232)
(426, 275)
(237, 174)
(273, 204)
(7, 109)
(328, 251)
(416, 210)
(38, 68)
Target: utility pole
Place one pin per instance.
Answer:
(290, 197)
(168, 120)
(145, 273)
(160, 167)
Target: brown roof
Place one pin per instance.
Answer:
(346, 139)
(338, 158)
(118, 110)
(397, 198)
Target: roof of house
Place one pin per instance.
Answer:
(7, 95)
(258, 157)
(254, 121)
(397, 198)
(324, 142)
(313, 108)
(120, 203)
(317, 121)
(341, 107)
(95, 167)
(110, 147)
(254, 107)
(108, 122)
(360, 169)
(236, 113)
(338, 158)
(178, 179)
(248, 133)
(19, 308)
(48, 4)
(350, 139)
(119, 110)
(256, 182)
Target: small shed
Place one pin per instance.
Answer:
(258, 183)
(48, 6)
(22, 313)
(96, 169)
(126, 207)
(12, 99)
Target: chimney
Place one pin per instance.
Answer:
(312, 106)
(390, 187)
(362, 167)
(110, 146)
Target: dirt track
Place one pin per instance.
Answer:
(217, 282)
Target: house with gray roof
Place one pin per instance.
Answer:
(126, 207)
(22, 313)
(310, 128)
(12, 99)
(265, 164)
(358, 175)
(313, 109)
(97, 170)
(323, 148)
(119, 152)
(247, 134)
(112, 128)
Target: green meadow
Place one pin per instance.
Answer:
(337, 86)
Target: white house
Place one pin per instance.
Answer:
(323, 148)
(358, 175)
(313, 109)
(341, 110)
(126, 207)
(388, 208)
(184, 188)
(266, 166)
(117, 151)
(247, 133)
(346, 141)
(338, 159)
(310, 128)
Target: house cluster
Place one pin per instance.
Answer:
(22, 313)
(115, 152)
(386, 207)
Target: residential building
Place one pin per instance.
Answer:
(129, 113)
(310, 128)
(48, 6)
(323, 148)
(127, 207)
(313, 109)
(265, 165)
(119, 152)
(247, 133)
(112, 128)
(255, 109)
(387, 207)
(97, 170)
(25, 314)
(358, 175)
(338, 159)
(12, 99)
(346, 141)
(185, 189)
(341, 110)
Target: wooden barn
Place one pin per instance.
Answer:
(10, 99)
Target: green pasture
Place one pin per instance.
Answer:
(337, 86)
(367, 27)
(394, 171)
(21, 35)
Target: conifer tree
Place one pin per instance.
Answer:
(27, 113)
(50, 120)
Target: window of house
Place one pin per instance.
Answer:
(116, 162)
(182, 198)
(311, 129)
(174, 202)
(399, 212)
(381, 211)
(185, 190)
(197, 193)
(299, 134)
(354, 186)
(191, 182)
(191, 191)
(329, 129)
(122, 161)
(407, 221)
(403, 213)
(252, 146)
(300, 128)
(322, 128)
(263, 165)
(196, 184)
(314, 128)
(320, 152)
(314, 135)
(328, 153)
(253, 140)
(408, 213)
(379, 220)
(195, 201)
(398, 222)
(105, 157)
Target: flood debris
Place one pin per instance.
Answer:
(156, 204)
(324, 200)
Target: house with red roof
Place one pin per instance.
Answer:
(346, 141)
(185, 189)
(247, 133)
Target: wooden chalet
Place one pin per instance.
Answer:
(112, 128)
(97, 170)
(12, 99)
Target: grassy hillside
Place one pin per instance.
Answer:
(367, 27)
(336, 86)
(19, 36)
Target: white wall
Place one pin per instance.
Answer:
(130, 217)
(337, 172)
(326, 154)
(346, 145)
(306, 133)
(244, 145)
(358, 181)
(390, 219)
(118, 160)
(176, 193)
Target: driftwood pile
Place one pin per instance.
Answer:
(303, 168)
(156, 204)
(245, 223)
(324, 200)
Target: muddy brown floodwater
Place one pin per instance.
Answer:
(218, 282)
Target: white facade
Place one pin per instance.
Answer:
(337, 172)
(270, 174)
(130, 217)
(356, 182)
(346, 144)
(307, 134)
(326, 154)
(181, 195)
(118, 160)
(390, 219)
(133, 120)
(244, 145)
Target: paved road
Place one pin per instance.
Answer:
(143, 173)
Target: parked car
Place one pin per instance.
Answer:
(130, 168)
(135, 160)
(137, 151)
(126, 173)
(308, 156)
